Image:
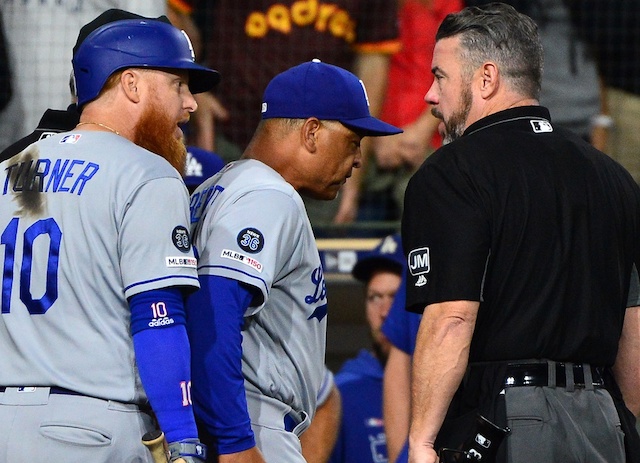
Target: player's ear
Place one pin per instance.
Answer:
(309, 133)
(129, 80)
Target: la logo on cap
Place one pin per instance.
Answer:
(364, 89)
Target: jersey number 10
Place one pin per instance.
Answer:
(9, 239)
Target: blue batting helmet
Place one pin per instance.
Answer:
(142, 43)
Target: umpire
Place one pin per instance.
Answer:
(521, 241)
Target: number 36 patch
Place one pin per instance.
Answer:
(180, 237)
(250, 240)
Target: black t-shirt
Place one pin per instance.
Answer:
(53, 121)
(536, 225)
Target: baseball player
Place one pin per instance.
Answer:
(401, 328)
(361, 438)
(320, 437)
(200, 165)
(258, 325)
(97, 259)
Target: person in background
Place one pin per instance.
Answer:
(361, 438)
(52, 121)
(361, 435)
(199, 166)
(571, 86)
(39, 37)
(396, 158)
(613, 30)
(320, 437)
(254, 41)
(401, 329)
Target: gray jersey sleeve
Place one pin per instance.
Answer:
(154, 244)
(252, 239)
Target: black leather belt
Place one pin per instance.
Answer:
(537, 374)
(52, 389)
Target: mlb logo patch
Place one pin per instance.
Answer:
(73, 138)
(44, 135)
(26, 389)
(541, 126)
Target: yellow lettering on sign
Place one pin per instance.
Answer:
(304, 12)
(325, 17)
(340, 25)
(278, 18)
(326, 10)
(256, 25)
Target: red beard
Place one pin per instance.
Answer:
(156, 132)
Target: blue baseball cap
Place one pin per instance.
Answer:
(201, 164)
(387, 256)
(317, 89)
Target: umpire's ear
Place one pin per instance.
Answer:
(129, 80)
(309, 133)
(488, 79)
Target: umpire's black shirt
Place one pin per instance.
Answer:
(534, 223)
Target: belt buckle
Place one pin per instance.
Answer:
(526, 374)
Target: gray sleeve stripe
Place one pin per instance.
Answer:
(169, 277)
(231, 269)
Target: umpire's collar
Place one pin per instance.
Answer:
(521, 117)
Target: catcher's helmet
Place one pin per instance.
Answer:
(142, 43)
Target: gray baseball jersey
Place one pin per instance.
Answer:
(250, 225)
(87, 219)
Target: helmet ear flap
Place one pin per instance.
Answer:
(135, 43)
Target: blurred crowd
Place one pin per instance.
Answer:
(591, 80)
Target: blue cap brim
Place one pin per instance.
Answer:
(372, 126)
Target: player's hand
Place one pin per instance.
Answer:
(187, 451)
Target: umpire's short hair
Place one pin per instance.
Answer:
(497, 32)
